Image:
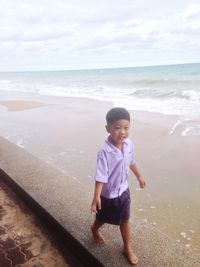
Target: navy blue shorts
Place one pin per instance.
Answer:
(115, 210)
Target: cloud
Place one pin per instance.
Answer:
(192, 12)
(76, 30)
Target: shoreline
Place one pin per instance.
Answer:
(36, 101)
(30, 101)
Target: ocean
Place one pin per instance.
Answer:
(166, 89)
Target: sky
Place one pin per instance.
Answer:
(82, 34)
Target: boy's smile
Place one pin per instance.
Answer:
(119, 131)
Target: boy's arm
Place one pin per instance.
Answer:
(137, 173)
(96, 203)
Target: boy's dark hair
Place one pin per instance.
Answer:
(116, 114)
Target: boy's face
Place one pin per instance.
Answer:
(119, 131)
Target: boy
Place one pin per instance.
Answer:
(111, 201)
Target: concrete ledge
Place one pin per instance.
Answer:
(64, 204)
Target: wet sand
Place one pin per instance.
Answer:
(19, 105)
(69, 138)
(24, 240)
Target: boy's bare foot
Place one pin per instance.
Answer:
(98, 238)
(132, 258)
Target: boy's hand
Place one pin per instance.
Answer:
(96, 205)
(140, 179)
(142, 182)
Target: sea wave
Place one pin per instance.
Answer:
(191, 95)
(170, 102)
(166, 82)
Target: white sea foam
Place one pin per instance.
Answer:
(178, 122)
(20, 142)
(191, 95)
(191, 130)
(5, 82)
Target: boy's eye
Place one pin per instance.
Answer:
(118, 128)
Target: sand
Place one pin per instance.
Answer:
(19, 105)
(68, 132)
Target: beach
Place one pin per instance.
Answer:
(66, 132)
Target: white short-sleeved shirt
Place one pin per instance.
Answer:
(113, 167)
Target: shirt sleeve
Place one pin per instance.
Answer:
(102, 168)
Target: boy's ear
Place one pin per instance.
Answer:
(107, 128)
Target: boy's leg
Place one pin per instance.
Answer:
(125, 228)
(98, 238)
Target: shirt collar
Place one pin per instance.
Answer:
(110, 147)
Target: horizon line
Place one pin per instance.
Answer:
(96, 68)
